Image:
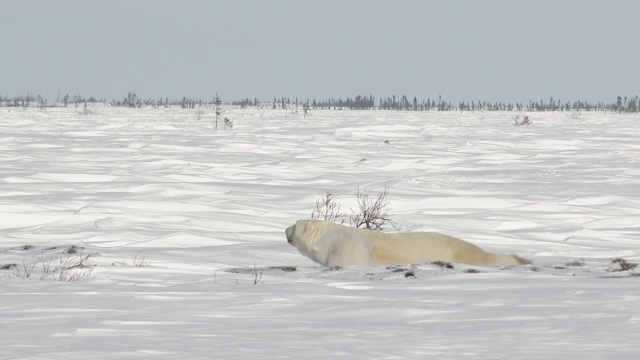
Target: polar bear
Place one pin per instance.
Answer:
(332, 244)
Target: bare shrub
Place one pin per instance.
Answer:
(257, 275)
(73, 267)
(25, 271)
(525, 121)
(372, 211)
(138, 261)
(371, 214)
(328, 209)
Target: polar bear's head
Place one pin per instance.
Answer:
(330, 244)
(304, 234)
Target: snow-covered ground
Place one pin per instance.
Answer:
(183, 229)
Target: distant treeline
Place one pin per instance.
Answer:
(626, 104)
(367, 102)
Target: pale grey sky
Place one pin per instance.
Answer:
(494, 50)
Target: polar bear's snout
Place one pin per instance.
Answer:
(288, 232)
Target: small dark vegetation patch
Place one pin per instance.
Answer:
(332, 268)
(254, 270)
(472, 271)
(285, 268)
(623, 264)
(8, 266)
(410, 274)
(73, 249)
(442, 264)
(27, 247)
(575, 263)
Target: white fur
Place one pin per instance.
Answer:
(337, 245)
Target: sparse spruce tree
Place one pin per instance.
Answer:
(227, 123)
(217, 103)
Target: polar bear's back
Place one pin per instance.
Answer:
(403, 248)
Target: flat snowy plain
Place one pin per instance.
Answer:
(203, 213)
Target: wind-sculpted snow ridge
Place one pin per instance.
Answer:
(180, 230)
